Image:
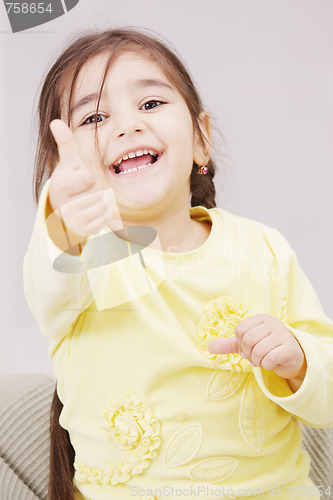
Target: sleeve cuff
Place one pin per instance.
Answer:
(310, 401)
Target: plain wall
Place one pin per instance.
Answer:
(264, 71)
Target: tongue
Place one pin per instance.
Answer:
(137, 161)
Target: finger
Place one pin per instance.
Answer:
(96, 211)
(248, 323)
(72, 183)
(278, 358)
(226, 345)
(68, 153)
(82, 211)
(81, 205)
(251, 338)
(263, 348)
(285, 363)
(95, 225)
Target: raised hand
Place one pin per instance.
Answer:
(75, 192)
(266, 342)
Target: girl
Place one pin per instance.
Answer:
(187, 342)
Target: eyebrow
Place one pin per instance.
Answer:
(152, 82)
(143, 83)
(86, 100)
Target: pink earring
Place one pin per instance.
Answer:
(202, 170)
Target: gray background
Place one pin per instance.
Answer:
(264, 70)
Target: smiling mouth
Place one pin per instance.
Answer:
(136, 163)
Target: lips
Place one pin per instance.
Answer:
(134, 163)
(132, 154)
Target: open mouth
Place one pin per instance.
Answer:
(135, 162)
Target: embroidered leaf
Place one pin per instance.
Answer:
(183, 445)
(223, 384)
(213, 470)
(252, 415)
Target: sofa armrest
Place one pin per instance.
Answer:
(25, 403)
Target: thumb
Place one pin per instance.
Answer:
(68, 152)
(226, 345)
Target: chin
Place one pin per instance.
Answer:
(139, 209)
(140, 204)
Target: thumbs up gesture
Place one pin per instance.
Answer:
(84, 206)
(266, 342)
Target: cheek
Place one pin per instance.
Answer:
(88, 150)
(181, 132)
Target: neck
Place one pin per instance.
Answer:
(177, 232)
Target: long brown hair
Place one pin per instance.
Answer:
(63, 75)
(64, 72)
(61, 456)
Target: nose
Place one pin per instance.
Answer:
(128, 124)
(129, 132)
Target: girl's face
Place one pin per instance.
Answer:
(141, 115)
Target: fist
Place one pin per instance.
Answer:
(266, 342)
(82, 203)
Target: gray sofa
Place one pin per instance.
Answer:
(25, 402)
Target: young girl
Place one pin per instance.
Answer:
(187, 342)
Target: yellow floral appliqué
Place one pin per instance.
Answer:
(130, 426)
(219, 318)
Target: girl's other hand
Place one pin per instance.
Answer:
(266, 342)
(83, 205)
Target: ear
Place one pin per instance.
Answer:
(202, 151)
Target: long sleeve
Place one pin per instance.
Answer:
(312, 403)
(55, 298)
(59, 286)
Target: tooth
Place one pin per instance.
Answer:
(125, 157)
(151, 152)
(131, 155)
(145, 151)
(139, 153)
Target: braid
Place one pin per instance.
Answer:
(202, 186)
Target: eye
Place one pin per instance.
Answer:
(151, 104)
(93, 119)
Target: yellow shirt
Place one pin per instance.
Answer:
(150, 412)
